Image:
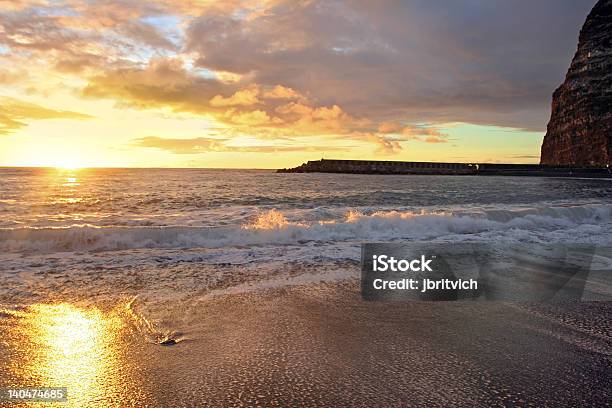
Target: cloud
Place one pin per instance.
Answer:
(182, 146)
(8, 76)
(493, 63)
(252, 93)
(282, 92)
(166, 83)
(20, 4)
(389, 127)
(273, 69)
(245, 97)
(75, 35)
(33, 31)
(249, 118)
(147, 34)
(163, 82)
(14, 114)
(271, 112)
(421, 133)
(424, 134)
(385, 145)
(200, 145)
(321, 119)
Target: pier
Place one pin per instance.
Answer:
(440, 168)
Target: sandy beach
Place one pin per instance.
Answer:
(321, 345)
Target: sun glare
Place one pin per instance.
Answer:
(64, 157)
(68, 163)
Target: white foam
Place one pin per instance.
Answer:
(272, 228)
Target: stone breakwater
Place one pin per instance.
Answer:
(484, 169)
(580, 128)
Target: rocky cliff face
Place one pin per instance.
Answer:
(580, 128)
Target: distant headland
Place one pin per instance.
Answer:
(579, 132)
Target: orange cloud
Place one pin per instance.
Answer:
(282, 92)
(389, 127)
(424, 134)
(12, 76)
(386, 145)
(15, 5)
(312, 119)
(251, 96)
(248, 9)
(250, 118)
(262, 112)
(245, 97)
(204, 145)
(164, 82)
(182, 146)
(14, 114)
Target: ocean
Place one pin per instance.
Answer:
(292, 226)
(158, 249)
(113, 209)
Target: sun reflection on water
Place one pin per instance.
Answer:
(74, 348)
(70, 181)
(62, 186)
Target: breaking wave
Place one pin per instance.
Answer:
(273, 228)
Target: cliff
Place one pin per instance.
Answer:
(580, 128)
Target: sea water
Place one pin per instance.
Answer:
(222, 229)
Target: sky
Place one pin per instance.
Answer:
(274, 83)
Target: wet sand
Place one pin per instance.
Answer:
(321, 345)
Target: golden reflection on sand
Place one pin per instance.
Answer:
(74, 348)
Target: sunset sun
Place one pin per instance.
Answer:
(67, 162)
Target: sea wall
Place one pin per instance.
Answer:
(380, 167)
(484, 169)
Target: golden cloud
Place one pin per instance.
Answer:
(15, 5)
(199, 145)
(244, 97)
(165, 83)
(424, 134)
(250, 118)
(311, 119)
(282, 92)
(251, 96)
(389, 127)
(386, 145)
(421, 133)
(12, 76)
(14, 114)
(247, 109)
